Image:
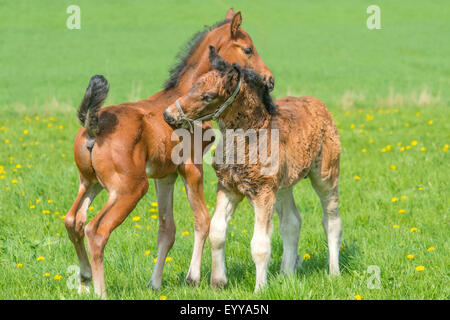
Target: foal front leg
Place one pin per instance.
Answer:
(193, 179)
(260, 244)
(226, 205)
(166, 230)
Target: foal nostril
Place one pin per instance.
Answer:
(168, 117)
(271, 83)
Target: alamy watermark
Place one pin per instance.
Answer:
(74, 20)
(231, 149)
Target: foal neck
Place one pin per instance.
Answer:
(246, 112)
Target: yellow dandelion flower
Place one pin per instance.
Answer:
(7, 141)
(371, 141)
(147, 252)
(401, 211)
(352, 126)
(414, 143)
(394, 199)
(25, 131)
(91, 208)
(383, 150)
(306, 256)
(363, 150)
(152, 210)
(32, 206)
(430, 122)
(244, 231)
(358, 297)
(14, 181)
(414, 229)
(408, 147)
(430, 249)
(407, 125)
(213, 148)
(137, 226)
(213, 182)
(154, 260)
(47, 274)
(154, 216)
(232, 234)
(420, 268)
(410, 256)
(18, 166)
(399, 144)
(19, 265)
(423, 149)
(393, 167)
(185, 233)
(395, 226)
(46, 211)
(136, 218)
(154, 204)
(403, 197)
(169, 259)
(418, 114)
(57, 277)
(40, 258)
(356, 178)
(163, 298)
(388, 147)
(63, 155)
(148, 227)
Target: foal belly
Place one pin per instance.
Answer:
(158, 170)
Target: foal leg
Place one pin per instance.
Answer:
(118, 207)
(331, 220)
(290, 224)
(193, 179)
(166, 230)
(226, 205)
(75, 221)
(260, 244)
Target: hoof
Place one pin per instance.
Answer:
(192, 281)
(153, 285)
(218, 283)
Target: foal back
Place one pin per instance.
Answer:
(308, 140)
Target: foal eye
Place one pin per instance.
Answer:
(207, 97)
(248, 50)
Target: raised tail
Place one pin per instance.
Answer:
(93, 99)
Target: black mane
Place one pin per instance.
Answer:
(186, 52)
(257, 83)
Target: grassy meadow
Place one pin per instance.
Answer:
(388, 91)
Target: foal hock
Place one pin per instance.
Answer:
(308, 147)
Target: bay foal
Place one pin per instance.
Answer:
(308, 146)
(121, 146)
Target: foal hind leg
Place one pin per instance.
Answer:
(166, 230)
(327, 191)
(120, 204)
(75, 221)
(290, 224)
(193, 178)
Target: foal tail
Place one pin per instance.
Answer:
(93, 99)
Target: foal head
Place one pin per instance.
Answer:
(216, 90)
(233, 43)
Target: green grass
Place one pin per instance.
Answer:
(327, 53)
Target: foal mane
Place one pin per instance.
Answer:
(256, 82)
(186, 52)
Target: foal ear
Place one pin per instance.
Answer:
(231, 78)
(230, 14)
(216, 61)
(235, 24)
